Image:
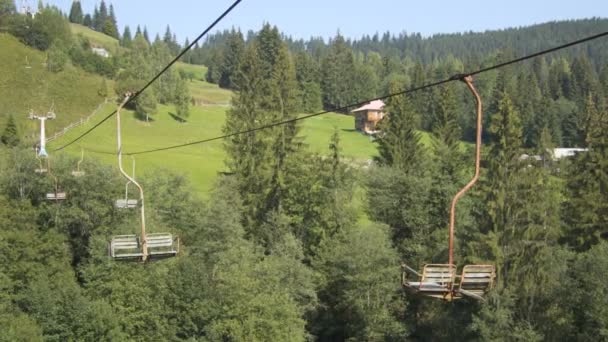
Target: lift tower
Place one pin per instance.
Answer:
(43, 117)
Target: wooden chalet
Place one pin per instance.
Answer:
(368, 116)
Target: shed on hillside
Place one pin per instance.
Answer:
(100, 51)
(368, 116)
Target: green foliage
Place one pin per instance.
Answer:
(7, 7)
(145, 105)
(585, 212)
(267, 94)
(76, 15)
(57, 58)
(337, 75)
(126, 38)
(43, 30)
(399, 143)
(10, 135)
(359, 295)
(233, 52)
(182, 98)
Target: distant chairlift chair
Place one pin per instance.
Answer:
(56, 195)
(441, 280)
(77, 172)
(151, 245)
(41, 168)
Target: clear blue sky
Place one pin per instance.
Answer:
(305, 18)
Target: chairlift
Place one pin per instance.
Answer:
(41, 169)
(126, 203)
(151, 245)
(441, 280)
(77, 172)
(56, 195)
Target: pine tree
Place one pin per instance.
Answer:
(102, 17)
(76, 13)
(112, 27)
(182, 98)
(399, 142)
(10, 136)
(87, 21)
(337, 75)
(146, 36)
(586, 209)
(233, 52)
(446, 132)
(168, 37)
(308, 76)
(267, 93)
(126, 40)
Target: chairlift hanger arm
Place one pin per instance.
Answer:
(131, 179)
(469, 82)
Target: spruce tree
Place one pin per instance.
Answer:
(233, 52)
(10, 136)
(337, 75)
(76, 13)
(126, 39)
(267, 90)
(110, 26)
(87, 21)
(399, 141)
(586, 208)
(182, 98)
(102, 17)
(146, 36)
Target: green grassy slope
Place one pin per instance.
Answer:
(200, 163)
(72, 91)
(96, 38)
(204, 93)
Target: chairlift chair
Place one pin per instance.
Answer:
(56, 195)
(78, 172)
(440, 280)
(41, 169)
(152, 245)
(125, 247)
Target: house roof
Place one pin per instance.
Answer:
(374, 105)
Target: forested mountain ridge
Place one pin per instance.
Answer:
(467, 46)
(550, 89)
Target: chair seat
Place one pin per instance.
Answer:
(122, 203)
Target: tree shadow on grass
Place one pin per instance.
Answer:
(178, 118)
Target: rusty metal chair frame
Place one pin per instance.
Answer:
(440, 280)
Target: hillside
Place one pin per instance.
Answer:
(72, 92)
(200, 163)
(96, 38)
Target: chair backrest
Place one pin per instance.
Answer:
(161, 244)
(125, 246)
(123, 203)
(56, 196)
(440, 274)
(477, 279)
